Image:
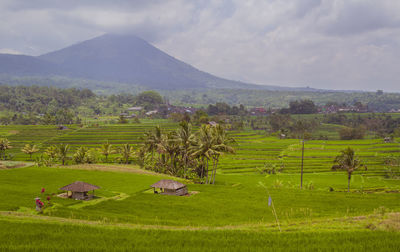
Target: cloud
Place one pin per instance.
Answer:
(9, 51)
(341, 44)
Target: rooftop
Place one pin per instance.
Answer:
(168, 184)
(79, 186)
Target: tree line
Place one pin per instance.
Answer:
(182, 153)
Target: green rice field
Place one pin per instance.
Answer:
(232, 215)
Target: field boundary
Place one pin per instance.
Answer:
(382, 222)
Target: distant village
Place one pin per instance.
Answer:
(139, 111)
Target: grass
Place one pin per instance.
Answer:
(34, 234)
(232, 215)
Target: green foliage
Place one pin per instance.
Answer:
(300, 107)
(126, 152)
(352, 133)
(85, 156)
(62, 152)
(5, 144)
(347, 161)
(149, 99)
(30, 150)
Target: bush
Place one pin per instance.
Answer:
(352, 133)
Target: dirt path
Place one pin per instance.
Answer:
(114, 168)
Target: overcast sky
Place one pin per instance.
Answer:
(335, 44)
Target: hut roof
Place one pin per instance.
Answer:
(79, 186)
(168, 184)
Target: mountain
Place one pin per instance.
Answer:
(121, 59)
(22, 65)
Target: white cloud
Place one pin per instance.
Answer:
(342, 44)
(9, 51)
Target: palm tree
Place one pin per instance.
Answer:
(5, 144)
(62, 151)
(347, 161)
(222, 144)
(126, 152)
(186, 139)
(51, 151)
(152, 139)
(204, 149)
(30, 149)
(107, 149)
(169, 146)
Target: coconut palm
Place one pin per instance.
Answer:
(51, 151)
(347, 161)
(126, 152)
(30, 150)
(106, 150)
(222, 144)
(62, 152)
(81, 155)
(152, 139)
(5, 144)
(204, 149)
(186, 139)
(169, 147)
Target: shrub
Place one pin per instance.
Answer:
(352, 133)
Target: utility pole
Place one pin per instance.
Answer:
(302, 165)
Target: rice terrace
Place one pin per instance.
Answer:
(231, 214)
(172, 125)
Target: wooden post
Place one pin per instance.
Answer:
(302, 165)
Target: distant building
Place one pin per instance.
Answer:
(152, 112)
(387, 139)
(212, 123)
(258, 111)
(135, 109)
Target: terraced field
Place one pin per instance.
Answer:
(254, 148)
(232, 215)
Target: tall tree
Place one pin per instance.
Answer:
(222, 144)
(204, 149)
(186, 139)
(348, 162)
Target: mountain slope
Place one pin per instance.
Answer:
(122, 59)
(126, 59)
(22, 65)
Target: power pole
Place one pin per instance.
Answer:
(302, 165)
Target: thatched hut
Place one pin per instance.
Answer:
(170, 187)
(79, 190)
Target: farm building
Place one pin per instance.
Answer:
(170, 187)
(387, 139)
(79, 190)
(135, 109)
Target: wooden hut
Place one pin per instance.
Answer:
(79, 190)
(387, 139)
(170, 187)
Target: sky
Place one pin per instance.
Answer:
(330, 44)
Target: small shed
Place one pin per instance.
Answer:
(387, 139)
(135, 109)
(170, 187)
(79, 190)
